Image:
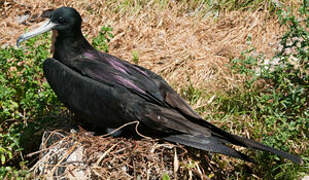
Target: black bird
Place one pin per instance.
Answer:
(110, 92)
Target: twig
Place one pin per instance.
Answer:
(105, 153)
(125, 125)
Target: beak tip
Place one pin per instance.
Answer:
(19, 40)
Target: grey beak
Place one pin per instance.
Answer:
(47, 26)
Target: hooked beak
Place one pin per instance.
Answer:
(47, 26)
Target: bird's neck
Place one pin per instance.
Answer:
(66, 47)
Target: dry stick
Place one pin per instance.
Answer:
(50, 147)
(105, 153)
(96, 173)
(37, 152)
(176, 163)
(125, 125)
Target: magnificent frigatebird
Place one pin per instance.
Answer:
(110, 92)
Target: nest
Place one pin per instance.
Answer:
(81, 155)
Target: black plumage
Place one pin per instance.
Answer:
(110, 92)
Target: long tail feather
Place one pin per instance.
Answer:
(210, 144)
(255, 145)
(244, 142)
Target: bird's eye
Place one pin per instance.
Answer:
(61, 20)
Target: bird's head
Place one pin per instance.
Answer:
(65, 20)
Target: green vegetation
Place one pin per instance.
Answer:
(165, 177)
(103, 38)
(272, 105)
(199, 7)
(24, 98)
(135, 57)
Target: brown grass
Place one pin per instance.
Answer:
(180, 46)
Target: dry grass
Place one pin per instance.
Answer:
(180, 46)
